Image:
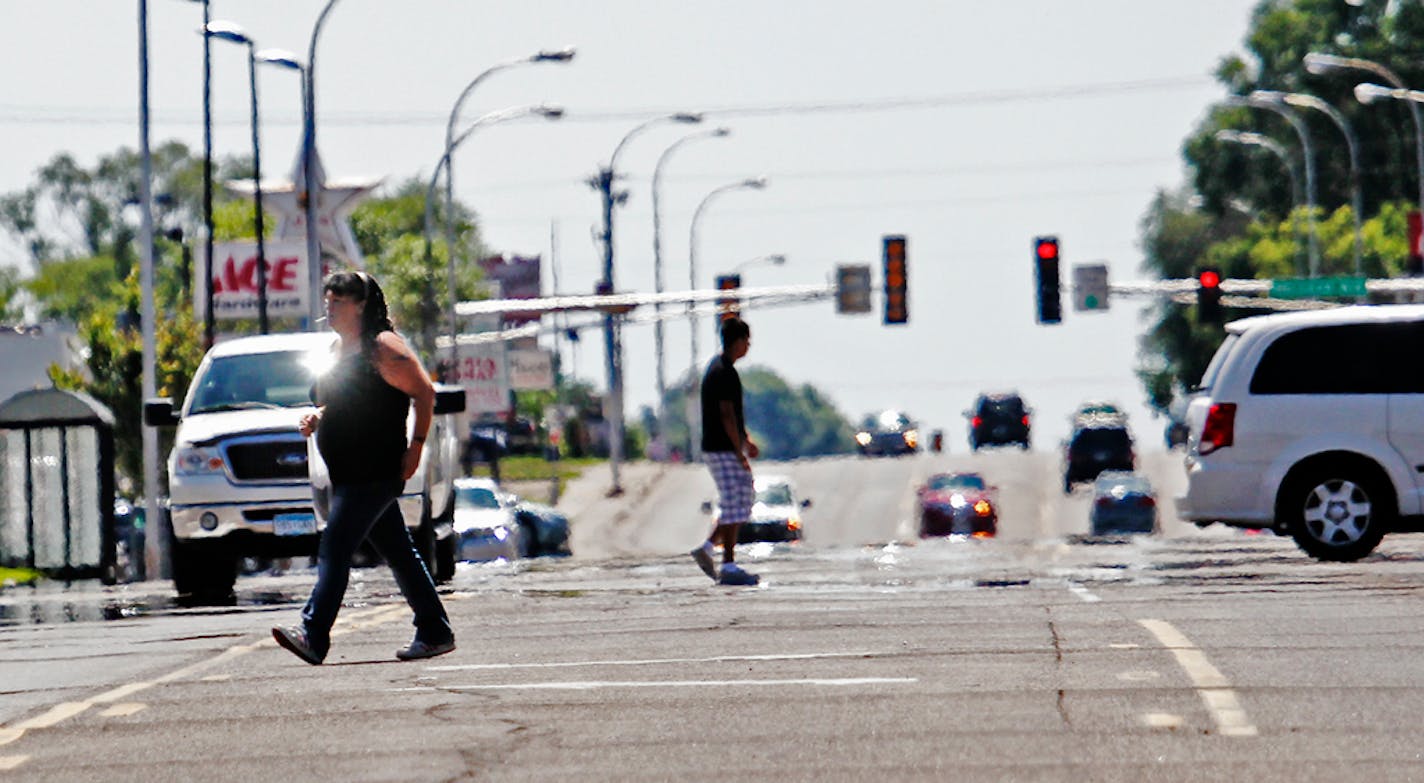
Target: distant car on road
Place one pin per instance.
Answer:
(889, 433)
(997, 420)
(544, 530)
(485, 523)
(1123, 502)
(957, 504)
(776, 514)
(1098, 444)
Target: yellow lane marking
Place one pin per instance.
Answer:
(123, 710)
(53, 715)
(1215, 690)
(355, 620)
(8, 763)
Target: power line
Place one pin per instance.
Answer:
(13, 114)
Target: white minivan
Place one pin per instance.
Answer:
(1312, 424)
(243, 482)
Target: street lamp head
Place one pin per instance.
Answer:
(1266, 96)
(722, 131)
(554, 56)
(227, 31)
(1367, 93)
(688, 117)
(1318, 63)
(280, 57)
(776, 259)
(755, 182)
(549, 112)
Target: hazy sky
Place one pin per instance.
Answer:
(977, 126)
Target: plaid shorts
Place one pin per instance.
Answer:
(735, 490)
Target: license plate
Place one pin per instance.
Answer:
(294, 524)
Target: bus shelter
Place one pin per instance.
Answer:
(57, 485)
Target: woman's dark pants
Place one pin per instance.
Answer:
(358, 512)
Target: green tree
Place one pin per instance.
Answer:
(1239, 213)
(786, 421)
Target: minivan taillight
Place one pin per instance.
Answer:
(1220, 427)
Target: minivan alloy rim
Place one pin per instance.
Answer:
(1337, 512)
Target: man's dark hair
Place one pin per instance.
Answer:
(734, 329)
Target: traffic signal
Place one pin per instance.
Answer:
(1209, 296)
(853, 288)
(728, 307)
(1045, 259)
(897, 306)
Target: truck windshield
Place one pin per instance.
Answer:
(281, 379)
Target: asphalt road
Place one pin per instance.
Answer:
(1042, 655)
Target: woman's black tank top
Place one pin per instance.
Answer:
(361, 435)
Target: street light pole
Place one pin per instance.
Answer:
(153, 536)
(1266, 142)
(694, 448)
(612, 347)
(428, 230)
(560, 56)
(1301, 100)
(1272, 105)
(311, 188)
(775, 259)
(228, 31)
(1318, 63)
(208, 318)
(658, 343)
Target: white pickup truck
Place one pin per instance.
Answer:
(243, 482)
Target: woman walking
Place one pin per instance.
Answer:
(360, 426)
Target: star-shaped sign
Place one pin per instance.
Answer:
(335, 199)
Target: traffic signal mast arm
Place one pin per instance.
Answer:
(625, 302)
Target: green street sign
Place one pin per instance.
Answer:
(1317, 287)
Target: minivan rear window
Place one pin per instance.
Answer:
(1213, 368)
(1373, 358)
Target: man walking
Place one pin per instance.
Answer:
(727, 450)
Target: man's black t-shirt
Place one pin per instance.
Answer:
(720, 383)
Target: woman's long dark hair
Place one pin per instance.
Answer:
(375, 316)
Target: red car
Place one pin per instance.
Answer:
(958, 504)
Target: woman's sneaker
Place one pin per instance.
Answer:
(732, 574)
(294, 639)
(419, 649)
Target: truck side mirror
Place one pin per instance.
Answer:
(158, 412)
(449, 399)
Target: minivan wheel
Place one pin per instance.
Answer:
(1336, 512)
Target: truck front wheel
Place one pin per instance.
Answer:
(203, 573)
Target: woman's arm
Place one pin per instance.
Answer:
(400, 367)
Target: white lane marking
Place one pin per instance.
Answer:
(123, 710)
(588, 685)
(1141, 676)
(1215, 689)
(8, 763)
(8, 736)
(1122, 646)
(1162, 720)
(1083, 593)
(651, 661)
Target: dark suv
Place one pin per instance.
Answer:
(997, 420)
(1097, 444)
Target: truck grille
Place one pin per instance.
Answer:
(268, 460)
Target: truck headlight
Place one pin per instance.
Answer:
(197, 461)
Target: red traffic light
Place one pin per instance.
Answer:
(1209, 278)
(1048, 249)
